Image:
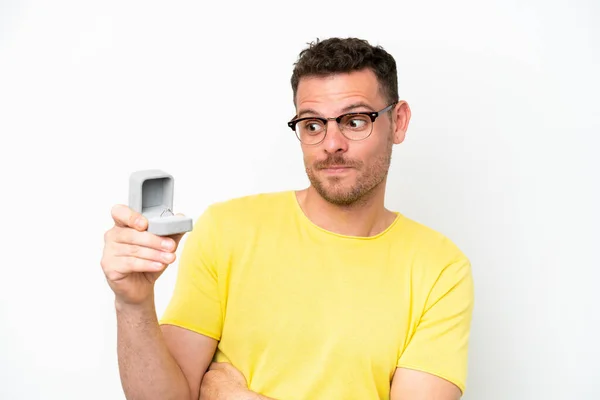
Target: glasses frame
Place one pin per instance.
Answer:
(372, 114)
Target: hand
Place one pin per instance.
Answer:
(223, 381)
(133, 259)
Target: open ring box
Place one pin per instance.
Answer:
(151, 194)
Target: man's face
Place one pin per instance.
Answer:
(344, 171)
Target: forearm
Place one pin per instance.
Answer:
(147, 369)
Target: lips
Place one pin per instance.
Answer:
(335, 170)
(336, 167)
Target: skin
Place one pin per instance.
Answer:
(169, 362)
(154, 362)
(223, 381)
(349, 201)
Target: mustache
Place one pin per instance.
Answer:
(337, 160)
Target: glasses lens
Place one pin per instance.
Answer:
(310, 131)
(356, 127)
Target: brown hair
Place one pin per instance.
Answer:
(337, 55)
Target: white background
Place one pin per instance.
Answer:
(500, 156)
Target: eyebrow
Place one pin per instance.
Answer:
(346, 109)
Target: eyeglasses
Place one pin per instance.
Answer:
(354, 126)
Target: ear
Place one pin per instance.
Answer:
(400, 119)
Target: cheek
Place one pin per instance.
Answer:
(306, 158)
(309, 156)
(368, 153)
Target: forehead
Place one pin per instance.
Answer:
(329, 94)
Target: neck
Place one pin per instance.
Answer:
(365, 218)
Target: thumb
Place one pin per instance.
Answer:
(177, 238)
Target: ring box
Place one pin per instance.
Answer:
(151, 194)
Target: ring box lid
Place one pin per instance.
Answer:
(151, 193)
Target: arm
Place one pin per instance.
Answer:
(192, 321)
(433, 365)
(159, 364)
(224, 382)
(150, 366)
(409, 384)
(154, 362)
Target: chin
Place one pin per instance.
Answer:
(342, 195)
(340, 190)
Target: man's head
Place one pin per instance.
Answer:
(341, 76)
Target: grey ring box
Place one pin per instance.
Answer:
(151, 194)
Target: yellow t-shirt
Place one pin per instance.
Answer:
(305, 313)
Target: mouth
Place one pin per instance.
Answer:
(336, 168)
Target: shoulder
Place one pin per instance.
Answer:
(428, 240)
(431, 251)
(249, 210)
(251, 203)
(438, 268)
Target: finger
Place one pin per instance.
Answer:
(144, 239)
(128, 265)
(146, 253)
(126, 217)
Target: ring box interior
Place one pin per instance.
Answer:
(151, 193)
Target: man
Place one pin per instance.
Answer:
(320, 293)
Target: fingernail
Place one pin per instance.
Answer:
(139, 222)
(167, 244)
(157, 265)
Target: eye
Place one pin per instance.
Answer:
(311, 126)
(357, 122)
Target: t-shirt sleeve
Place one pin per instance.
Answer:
(195, 303)
(440, 342)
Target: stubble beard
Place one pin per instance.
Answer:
(335, 191)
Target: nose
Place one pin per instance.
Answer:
(334, 140)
